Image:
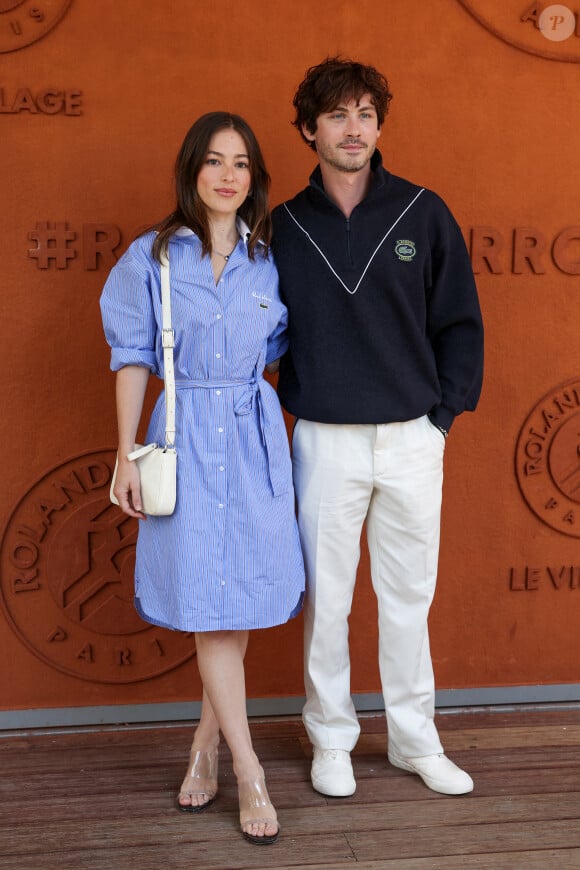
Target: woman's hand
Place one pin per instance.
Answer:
(127, 489)
(131, 386)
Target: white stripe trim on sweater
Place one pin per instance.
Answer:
(327, 261)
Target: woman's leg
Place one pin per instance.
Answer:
(220, 656)
(199, 786)
(206, 740)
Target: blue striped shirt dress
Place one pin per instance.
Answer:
(229, 557)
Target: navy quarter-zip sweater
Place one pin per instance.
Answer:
(384, 320)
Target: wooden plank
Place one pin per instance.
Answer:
(488, 738)
(465, 840)
(416, 815)
(414, 821)
(492, 717)
(216, 854)
(15, 752)
(290, 858)
(490, 782)
(71, 799)
(549, 859)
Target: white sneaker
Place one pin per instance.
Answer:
(331, 772)
(437, 772)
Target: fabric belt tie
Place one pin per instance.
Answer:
(243, 405)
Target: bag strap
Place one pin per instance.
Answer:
(168, 341)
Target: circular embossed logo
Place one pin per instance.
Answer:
(550, 30)
(548, 459)
(67, 557)
(27, 21)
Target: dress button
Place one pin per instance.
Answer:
(219, 317)
(218, 355)
(223, 583)
(220, 506)
(218, 392)
(220, 429)
(222, 468)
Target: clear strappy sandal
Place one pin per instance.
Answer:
(253, 797)
(200, 779)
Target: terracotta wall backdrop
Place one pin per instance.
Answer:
(94, 101)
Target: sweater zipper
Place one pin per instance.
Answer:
(348, 253)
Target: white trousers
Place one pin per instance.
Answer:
(391, 475)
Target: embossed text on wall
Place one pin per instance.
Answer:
(548, 459)
(550, 30)
(23, 22)
(524, 250)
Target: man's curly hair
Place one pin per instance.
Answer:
(337, 80)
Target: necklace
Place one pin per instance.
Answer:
(225, 256)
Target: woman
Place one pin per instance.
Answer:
(228, 559)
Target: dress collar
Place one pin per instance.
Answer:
(241, 226)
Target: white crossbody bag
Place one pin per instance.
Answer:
(157, 464)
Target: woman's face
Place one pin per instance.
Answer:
(224, 179)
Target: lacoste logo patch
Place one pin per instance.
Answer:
(263, 300)
(405, 250)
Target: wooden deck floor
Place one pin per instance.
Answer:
(105, 801)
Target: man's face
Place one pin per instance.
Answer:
(346, 138)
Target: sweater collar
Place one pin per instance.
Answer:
(379, 176)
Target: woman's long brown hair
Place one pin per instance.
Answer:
(190, 211)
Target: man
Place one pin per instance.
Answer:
(386, 349)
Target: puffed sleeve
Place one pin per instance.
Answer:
(127, 311)
(278, 338)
